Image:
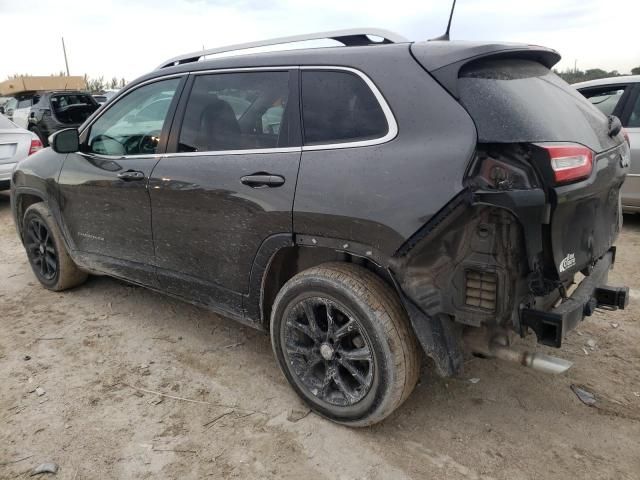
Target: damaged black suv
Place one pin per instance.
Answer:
(362, 203)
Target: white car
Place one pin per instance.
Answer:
(620, 96)
(15, 144)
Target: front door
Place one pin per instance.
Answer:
(104, 187)
(228, 185)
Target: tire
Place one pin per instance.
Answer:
(46, 251)
(318, 358)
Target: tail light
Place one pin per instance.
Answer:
(626, 136)
(570, 162)
(36, 145)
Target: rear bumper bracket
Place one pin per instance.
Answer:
(551, 326)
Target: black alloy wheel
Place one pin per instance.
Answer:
(41, 249)
(329, 351)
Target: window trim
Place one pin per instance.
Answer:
(392, 131)
(392, 125)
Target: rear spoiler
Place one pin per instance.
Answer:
(444, 59)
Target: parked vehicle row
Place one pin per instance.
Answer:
(360, 204)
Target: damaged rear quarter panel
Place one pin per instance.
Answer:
(381, 194)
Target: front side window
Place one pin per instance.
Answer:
(605, 100)
(236, 111)
(339, 107)
(132, 126)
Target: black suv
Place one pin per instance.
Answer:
(361, 203)
(45, 112)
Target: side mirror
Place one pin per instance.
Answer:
(65, 141)
(2, 110)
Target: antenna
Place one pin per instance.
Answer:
(445, 37)
(64, 50)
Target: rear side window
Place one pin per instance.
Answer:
(516, 100)
(339, 107)
(236, 111)
(634, 118)
(604, 100)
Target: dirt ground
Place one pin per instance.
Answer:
(96, 349)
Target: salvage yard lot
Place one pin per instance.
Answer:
(99, 350)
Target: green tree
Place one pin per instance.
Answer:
(635, 71)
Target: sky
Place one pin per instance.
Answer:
(127, 38)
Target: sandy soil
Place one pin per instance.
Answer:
(94, 349)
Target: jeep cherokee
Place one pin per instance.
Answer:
(362, 203)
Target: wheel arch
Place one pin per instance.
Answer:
(280, 258)
(23, 198)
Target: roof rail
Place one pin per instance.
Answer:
(349, 38)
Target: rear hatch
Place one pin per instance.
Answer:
(518, 100)
(72, 108)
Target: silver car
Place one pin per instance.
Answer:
(620, 96)
(15, 144)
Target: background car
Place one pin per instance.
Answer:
(620, 96)
(45, 112)
(15, 144)
(9, 107)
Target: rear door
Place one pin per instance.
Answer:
(104, 193)
(226, 184)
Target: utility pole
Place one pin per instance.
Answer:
(64, 50)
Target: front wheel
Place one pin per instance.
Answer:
(46, 251)
(344, 343)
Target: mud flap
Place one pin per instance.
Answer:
(439, 337)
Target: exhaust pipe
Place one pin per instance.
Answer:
(537, 361)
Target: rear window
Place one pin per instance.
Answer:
(513, 100)
(339, 107)
(62, 101)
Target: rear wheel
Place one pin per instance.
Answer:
(343, 341)
(46, 251)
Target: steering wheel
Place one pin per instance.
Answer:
(147, 144)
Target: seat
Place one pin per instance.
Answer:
(219, 129)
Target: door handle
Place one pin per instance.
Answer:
(261, 180)
(131, 175)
